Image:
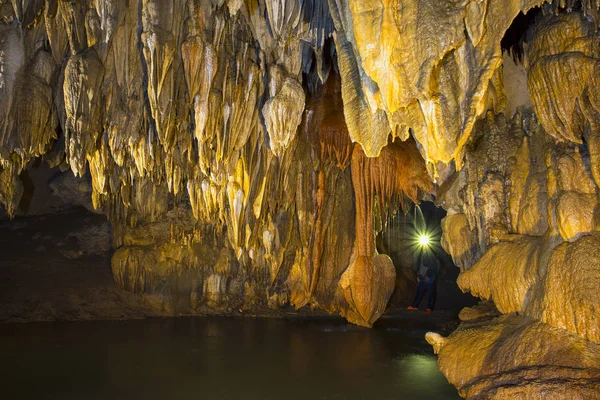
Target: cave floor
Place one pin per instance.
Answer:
(45, 276)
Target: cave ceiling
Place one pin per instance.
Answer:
(156, 88)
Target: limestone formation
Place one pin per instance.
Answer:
(532, 207)
(383, 181)
(565, 296)
(517, 357)
(459, 240)
(564, 53)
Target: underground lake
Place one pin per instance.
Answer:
(218, 358)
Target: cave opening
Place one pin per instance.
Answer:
(515, 38)
(413, 238)
(516, 35)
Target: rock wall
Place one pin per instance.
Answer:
(529, 198)
(515, 357)
(523, 228)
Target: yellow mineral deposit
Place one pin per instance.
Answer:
(249, 152)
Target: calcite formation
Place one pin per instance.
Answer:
(562, 45)
(528, 210)
(517, 357)
(247, 153)
(382, 181)
(214, 136)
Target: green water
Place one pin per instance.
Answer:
(217, 358)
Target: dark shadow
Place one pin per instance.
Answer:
(28, 190)
(514, 37)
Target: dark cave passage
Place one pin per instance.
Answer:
(400, 241)
(516, 35)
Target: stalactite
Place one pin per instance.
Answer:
(333, 137)
(11, 188)
(383, 181)
(83, 98)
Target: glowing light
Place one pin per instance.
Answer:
(415, 235)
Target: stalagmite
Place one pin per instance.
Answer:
(385, 180)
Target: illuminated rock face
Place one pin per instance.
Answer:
(514, 357)
(398, 171)
(433, 67)
(543, 193)
(215, 138)
(525, 230)
(246, 153)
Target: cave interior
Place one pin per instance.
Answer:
(270, 158)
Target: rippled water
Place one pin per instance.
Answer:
(217, 358)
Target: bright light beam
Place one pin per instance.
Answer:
(424, 240)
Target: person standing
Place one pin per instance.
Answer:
(425, 283)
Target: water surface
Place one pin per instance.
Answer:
(217, 358)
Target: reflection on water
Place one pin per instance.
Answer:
(217, 358)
